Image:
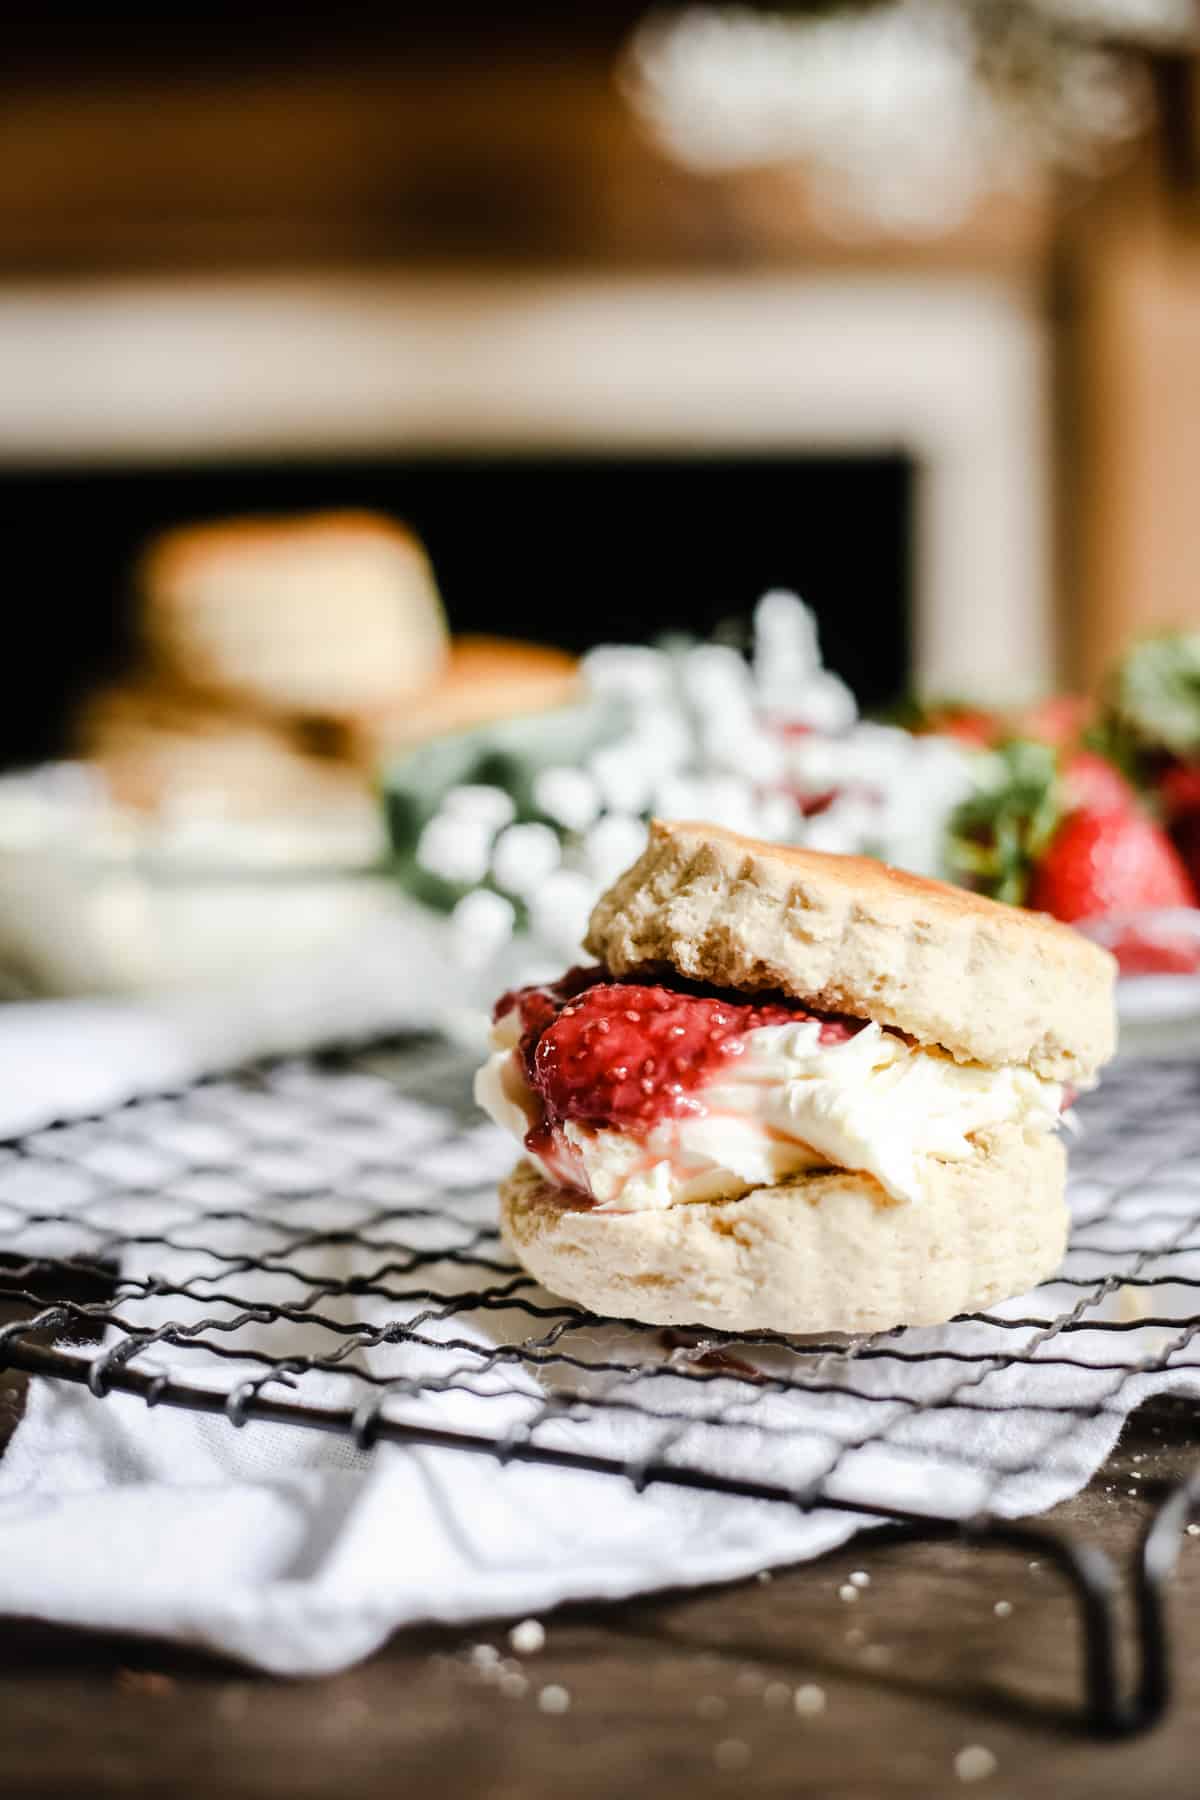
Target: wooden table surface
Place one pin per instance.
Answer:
(686, 1695)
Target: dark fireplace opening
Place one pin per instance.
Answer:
(568, 549)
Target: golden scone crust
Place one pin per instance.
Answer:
(323, 613)
(989, 983)
(823, 1253)
(485, 679)
(161, 752)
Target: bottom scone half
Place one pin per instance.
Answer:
(826, 1251)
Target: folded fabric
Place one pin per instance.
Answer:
(331, 1229)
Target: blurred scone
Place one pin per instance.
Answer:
(484, 679)
(161, 752)
(327, 614)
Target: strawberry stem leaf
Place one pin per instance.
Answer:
(1154, 697)
(998, 833)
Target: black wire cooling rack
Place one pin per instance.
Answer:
(312, 1242)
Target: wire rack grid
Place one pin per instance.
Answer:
(312, 1242)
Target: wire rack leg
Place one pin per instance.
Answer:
(1155, 1561)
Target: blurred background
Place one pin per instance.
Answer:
(630, 314)
(603, 309)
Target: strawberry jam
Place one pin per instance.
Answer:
(539, 1006)
(627, 1053)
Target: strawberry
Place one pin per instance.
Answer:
(1059, 720)
(1146, 953)
(1177, 793)
(1179, 790)
(999, 833)
(1092, 784)
(1185, 835)
(628, 1054)
(969, 725)
(973, 726)
(1108, 862)
(1065, 834)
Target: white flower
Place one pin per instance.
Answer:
(785, 632)
(611, 845)
(778, 819)
(491, 806)
(729, 802)
(733, 742)
(623, 775)
(628, 671)
(454, 848)
(523, 856)
(568, 796)
(715, 679)
(680, 797)
(559, 910)
(876, 756)
(848, 827)
(663, 739)
(722, 798)
(816, 764)
(788, 675)
(480, 926)
(822, 701)
(933, 777)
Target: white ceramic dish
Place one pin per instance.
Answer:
(94, 899)
(1159, 1012)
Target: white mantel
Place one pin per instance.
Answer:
(951, 370)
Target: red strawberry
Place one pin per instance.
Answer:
(1179, 790)
(1179, 796)
(1108, 862)
(1059, 720)
(1094, 785)
(1141, 953)
(970, 725)
(626, 1054)
(1185, 834)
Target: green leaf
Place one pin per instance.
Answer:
(1154, 696)
(998, 833)
(509, 755)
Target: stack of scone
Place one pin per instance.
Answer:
(164, 750)
(483, 679)
(261, 640)
(282, 658)
(320, 616)
(797, 1093)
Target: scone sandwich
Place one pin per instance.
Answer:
(796, 1093)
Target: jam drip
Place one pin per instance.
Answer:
(626, 1054)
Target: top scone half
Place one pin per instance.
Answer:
(796, 1092)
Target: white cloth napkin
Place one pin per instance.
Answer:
(299, 1554)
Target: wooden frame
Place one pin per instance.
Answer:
(950, 368)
